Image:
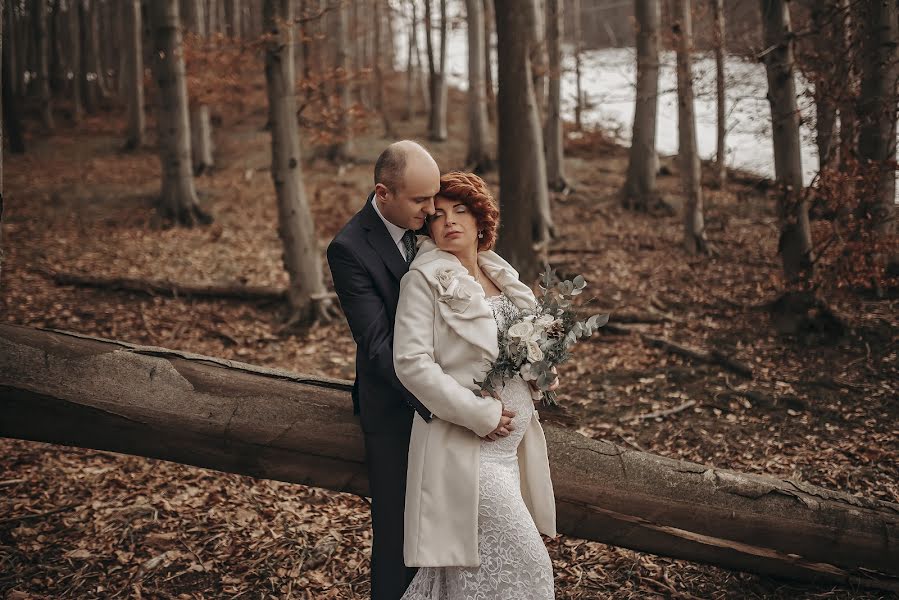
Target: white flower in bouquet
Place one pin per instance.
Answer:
(540, 339)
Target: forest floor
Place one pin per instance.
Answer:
(85, 524)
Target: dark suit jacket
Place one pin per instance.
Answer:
(367, 267)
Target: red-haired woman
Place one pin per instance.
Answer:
(478, 488)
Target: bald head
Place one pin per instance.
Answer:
(401, 157)
(406, 180)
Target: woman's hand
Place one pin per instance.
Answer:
(504, 427)
(555, 385)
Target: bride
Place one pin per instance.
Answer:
(478, 488)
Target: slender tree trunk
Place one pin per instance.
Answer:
(214, 18)
(578, 50)
(539, 66)
(555, 154)
(342, 149)
(232, 10)
(296, 227)
(12, 115)
(640, 186)
(877, 109)
(135, 71)
(488, 61)
(123, 34)
(721, 92)
(478, 158)
(266, 423)
(379, 71)
(194, 16)
(795, 234)
(412, 48)
(423, 82)
(90, 79)
(522, 170)
(57, 64)
(178, 198)
(847, 73)
(822, 73)
(356, 51)
(42, 42)
(4, 78)
(691, 176)
(201, 140)
(437, 78)
(75, 60)
(11, 48)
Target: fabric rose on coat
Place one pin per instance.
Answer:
(452, 292)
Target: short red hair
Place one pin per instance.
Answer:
(472, 191)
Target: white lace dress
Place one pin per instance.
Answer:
(514, 562)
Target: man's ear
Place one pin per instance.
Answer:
(382, 192)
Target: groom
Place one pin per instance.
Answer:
(368, 257)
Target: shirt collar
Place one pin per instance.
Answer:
(395, 232)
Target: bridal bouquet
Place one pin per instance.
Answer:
(540, 339)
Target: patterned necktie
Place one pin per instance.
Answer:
(409, 245)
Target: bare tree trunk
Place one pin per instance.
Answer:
(194, 16)
(342, 149)
(795, 235)
(4, 78)
(378, 59)
(136, 119)
(356, 35)
(478, 158)
(488, 60)
(877, 109)
(411, 51)
(178, 198)
(12, 116)
(42, 42)
(75, 60)
(691, 176)
(539, 66)
(214, 17)
(56, 30)
(555, 154)
(201, 140)
(578, 50)
(822, 71)
(721, 93)
(10, 47)
(847, 73)
(295, 224)
(522, 170)
(90, 79)
(437, 78)
(71, 389)
(232, 10)
(640, 186)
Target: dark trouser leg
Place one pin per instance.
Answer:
(386, 458)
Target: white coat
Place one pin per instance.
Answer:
(444, 339)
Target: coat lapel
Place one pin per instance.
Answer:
(465, 310)
(506, 279)
(379, 239)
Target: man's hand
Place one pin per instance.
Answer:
(504, 428)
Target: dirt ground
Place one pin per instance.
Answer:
(85, 524)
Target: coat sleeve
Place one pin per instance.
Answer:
(367, 317)
(413, 357)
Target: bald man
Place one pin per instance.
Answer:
(368, 257)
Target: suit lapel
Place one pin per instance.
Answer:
(380, 241)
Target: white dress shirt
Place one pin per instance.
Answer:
(395, 232)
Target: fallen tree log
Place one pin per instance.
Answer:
(170, 288)
(65, 388)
